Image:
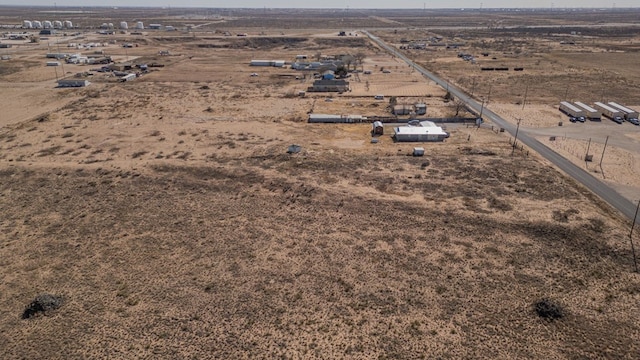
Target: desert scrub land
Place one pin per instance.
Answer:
(323, 254)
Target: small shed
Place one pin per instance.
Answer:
(402, 109)
(421, 109)
(377, 128)
(418, 151)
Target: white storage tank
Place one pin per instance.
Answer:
(110, 26)
(27, 24)
(37, 24)
(68, 24)
(124, 25)
(140, 25)
(47, 24)
(57, 24)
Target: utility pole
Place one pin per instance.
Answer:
(481, 108)
(515, 138)
(633, 250)
(587, 154)
(473, 86)
(605, 148)
(526, 90)
(489, 94)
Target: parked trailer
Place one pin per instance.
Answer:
(608, 111)
(573, 111)
(591, 113)
(128, 77)
(627, 113)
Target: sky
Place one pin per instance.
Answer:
(339, 4)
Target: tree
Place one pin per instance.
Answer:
(359, 56)
(458, 106)
(348, 60)
(341, 71)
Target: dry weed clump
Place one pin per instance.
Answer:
(549, 310)
(41, 305)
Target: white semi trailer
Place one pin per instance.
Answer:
(629, 114)
(591, 113)
(613, 114)
(573, 111)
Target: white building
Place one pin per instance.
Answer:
(419, 133)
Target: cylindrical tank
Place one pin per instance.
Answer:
(140, 25)
(124, 25)
(27, 24)
(47, 24)
(68, 24)
(110, 26)
(37, 24)
(57, 24)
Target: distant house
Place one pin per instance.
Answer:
(402, 109)
(329, 86)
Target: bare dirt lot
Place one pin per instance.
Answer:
(168, 216)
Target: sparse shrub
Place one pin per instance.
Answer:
(155, 133)
(42, 304)
(138, 154)
(549, 310)
(67, 135)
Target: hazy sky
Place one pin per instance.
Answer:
(353, 4)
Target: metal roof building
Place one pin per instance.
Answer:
(419, 133)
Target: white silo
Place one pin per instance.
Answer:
(68, 24)
(27, 24)
(37, 24)
(57, 24)
(140, 25)
(47, 24)
(124, 25)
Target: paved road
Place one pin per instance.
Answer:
(598, 187)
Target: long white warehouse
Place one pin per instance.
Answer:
(628, 113)
(591, 113)
(570, 109)
(606, 110)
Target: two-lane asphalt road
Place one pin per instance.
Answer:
(596, 186)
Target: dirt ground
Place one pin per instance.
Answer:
(169, 216)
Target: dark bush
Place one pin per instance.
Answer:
(547, 309)
(41, 304)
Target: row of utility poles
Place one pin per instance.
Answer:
(515, 139)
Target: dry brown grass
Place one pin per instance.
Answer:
(173, 232)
